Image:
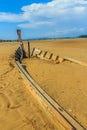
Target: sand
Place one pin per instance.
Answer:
(19, 110)
(65, 82)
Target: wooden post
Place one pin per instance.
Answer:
(28, 49)
(20, 39)
(23, 54)
(19, 35)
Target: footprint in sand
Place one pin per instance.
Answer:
(4, 102)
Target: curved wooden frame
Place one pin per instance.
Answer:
(43, 98)
(50, 104)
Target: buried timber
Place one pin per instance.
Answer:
(62, 82)
(65, 82)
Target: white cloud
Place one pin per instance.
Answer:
(35, 24)
(49, 13)
(79, 9)
(64, 32)
(8, 17)
(81, 1)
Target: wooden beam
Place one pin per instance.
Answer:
(52, 106)
(75, 61)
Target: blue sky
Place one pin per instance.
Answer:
(43, 18)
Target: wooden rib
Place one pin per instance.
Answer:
(57, 57)
(40, 52)
(45, 53)
(32, 51)
(53, 107)
(51, 55)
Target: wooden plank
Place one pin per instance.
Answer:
(75, 61)
(39, 93)
(36, 52)
(53, 107)
(60, 60)
(45, 55)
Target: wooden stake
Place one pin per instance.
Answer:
(19, 35)
(28, 49)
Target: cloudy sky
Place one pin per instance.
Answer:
(43, 18)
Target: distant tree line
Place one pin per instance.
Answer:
(83, 36)
(8, 40)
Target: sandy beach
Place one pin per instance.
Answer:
(65, 82)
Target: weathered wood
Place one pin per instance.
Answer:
(54, 57)
(51, 55)
(48, 55)
(19, 35)
(32, 51)
(23, 53)
(40, 52)
(75, 61)
(42, 55)
(57, 57)
(35, 52)
(53, 107)
(28, 49)
(18, 54)
(45, 54)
